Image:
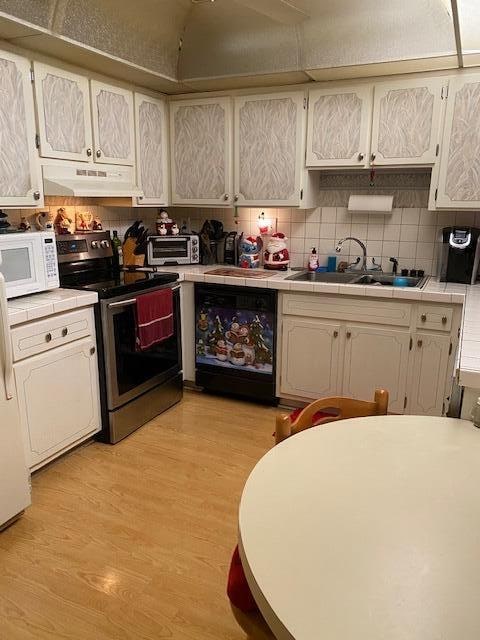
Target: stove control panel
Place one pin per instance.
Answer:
(83, 246)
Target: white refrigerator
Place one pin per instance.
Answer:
(14, 475)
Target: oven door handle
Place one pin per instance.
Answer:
(129, 303)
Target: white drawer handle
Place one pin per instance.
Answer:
(444, 319)
(423, 317)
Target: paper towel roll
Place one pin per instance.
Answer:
(379, 204)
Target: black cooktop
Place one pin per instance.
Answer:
(116, 283)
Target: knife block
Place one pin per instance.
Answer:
(129, 258)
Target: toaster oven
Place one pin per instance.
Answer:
(173, 250)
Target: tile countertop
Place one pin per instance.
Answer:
(434, 291)
(40, 305)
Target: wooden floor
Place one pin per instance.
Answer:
(133, 541)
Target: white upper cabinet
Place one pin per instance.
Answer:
(406, 121)
(113, 124)
(338, 132)
(20, 179)
(152, 150)
(459, 174)
(201, 158)
(268, 158)
(63, 107)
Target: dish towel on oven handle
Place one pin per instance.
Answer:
(154, 318)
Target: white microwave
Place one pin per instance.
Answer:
(29, 262)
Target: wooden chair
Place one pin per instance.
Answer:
(335, 408)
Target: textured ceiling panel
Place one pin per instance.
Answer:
(226, 38)
(342, 33)
(37, 12)
(229, 37)
(146, 33)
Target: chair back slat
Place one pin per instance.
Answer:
(339, 408)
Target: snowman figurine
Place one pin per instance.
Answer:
(175, 229)
(276, 255)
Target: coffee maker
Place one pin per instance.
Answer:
(459, 254)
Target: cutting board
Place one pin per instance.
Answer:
(256, 274)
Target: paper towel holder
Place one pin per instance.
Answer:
(370, 204)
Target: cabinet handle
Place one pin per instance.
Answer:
(235, 198)
(349, 334)
(335, 334)
(36, 195)
(419, 343)
(444, 319)
(89, 152)
(48, 337)
(361, 156)
(423, 317)
(92, 350)
(64, 332)
(373, 156)
(99, 153)
(225, 196)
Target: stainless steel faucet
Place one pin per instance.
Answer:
(338, 248)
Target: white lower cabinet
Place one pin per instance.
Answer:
(376, 358)
(59, 399)
(311, 357)
(333, 356)
(430, 363)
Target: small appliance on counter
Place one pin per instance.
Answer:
(460, 254)
(173, 250)
(135, 385)
(29, 262)
(230, 248)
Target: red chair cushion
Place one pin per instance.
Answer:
(316, 416)
(238, 590)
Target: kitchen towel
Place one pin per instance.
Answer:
(154, 316)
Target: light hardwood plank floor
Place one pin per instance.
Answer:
(133, 541)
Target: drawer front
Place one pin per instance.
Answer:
(38, 337)
(434, 317)
(351, 309)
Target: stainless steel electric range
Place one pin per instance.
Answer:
(135, 386)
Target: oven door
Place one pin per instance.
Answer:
(22, 264)
(129, 372)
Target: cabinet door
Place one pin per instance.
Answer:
(406, 121)
(376, 359)
(459, 175)
(63, 107)
(201, 143)
(268, 149)
(310, 358)
(338, 132)
(113, 124)
(58, 398)
(20, 179)
(152, 150)
(426, 394)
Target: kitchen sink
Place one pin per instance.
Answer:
(372, 279)
(323, 276)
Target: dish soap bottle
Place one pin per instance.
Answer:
(475, 414)
(117, 249)
(313, 260)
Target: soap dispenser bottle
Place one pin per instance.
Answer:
(313, 260)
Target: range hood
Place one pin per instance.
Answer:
(90, 181)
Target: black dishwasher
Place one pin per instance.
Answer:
(235, 340)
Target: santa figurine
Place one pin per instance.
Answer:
(276, 253)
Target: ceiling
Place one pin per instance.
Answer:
(183, 45)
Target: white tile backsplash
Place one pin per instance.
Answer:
(409, 234)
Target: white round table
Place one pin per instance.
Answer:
(367, 529)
